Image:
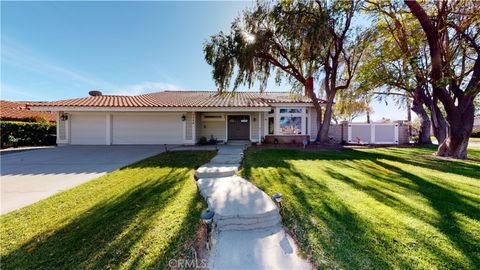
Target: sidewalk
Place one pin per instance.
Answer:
(248, 233)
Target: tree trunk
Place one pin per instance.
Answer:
(327, 118)
(459, 108)
(309, 92)
(319, 124)
(417, 107)
(439, 125)
(409, 118)
(459, 130)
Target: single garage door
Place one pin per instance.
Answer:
(88, 128)
(165, 128)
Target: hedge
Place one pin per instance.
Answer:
(475, 133)
(15, 134)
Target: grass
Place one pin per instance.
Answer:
(140, 216)
(472, 139)
(383, 208)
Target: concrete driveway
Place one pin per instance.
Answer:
(27, 177)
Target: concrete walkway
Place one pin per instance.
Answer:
(248, 233)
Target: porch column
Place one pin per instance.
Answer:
(108, 125)
(304, 122)
(260, 119)
(194, 129)
(276, 123)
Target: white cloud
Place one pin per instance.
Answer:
(8, 91)
(145, 87)
(14, 53)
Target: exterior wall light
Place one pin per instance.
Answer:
(64, 117)
(184, 118)
(207, 219)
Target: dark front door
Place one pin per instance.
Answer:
(239, 127)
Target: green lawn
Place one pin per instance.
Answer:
(376, 208)
(140, 216)
(472, 139)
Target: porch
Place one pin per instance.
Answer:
(288, 123)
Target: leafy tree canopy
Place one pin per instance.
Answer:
(288, 38)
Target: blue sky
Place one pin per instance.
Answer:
(60, 50)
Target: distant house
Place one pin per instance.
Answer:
(18, 111)
(476, 122)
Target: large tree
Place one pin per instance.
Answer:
(396, 65)
(452, 30)
(349, 106)
(343, 54)
(296, 39)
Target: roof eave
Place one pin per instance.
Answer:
(148, 109)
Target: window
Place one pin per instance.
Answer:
(290, 110)
(290, 125)
(271, 126)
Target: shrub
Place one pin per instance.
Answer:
(15, 134)
(212, 140)
(475, 133)
(203, 141)
(36, 118)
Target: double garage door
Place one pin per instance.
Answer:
(161, 128)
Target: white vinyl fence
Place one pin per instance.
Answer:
(373, 133)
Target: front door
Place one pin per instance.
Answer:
(239, 127)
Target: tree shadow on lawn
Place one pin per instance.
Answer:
(445, 202)
(342, 241)
(345, 238)
(411, 156)
(119, 232)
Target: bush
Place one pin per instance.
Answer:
(203, 141)
(15, 134)
(475, 133)
(212, 140)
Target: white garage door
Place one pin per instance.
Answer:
(165, 128)
(88, 128)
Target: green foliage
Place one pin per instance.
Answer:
(36, 118)
(476, 103)
(475, 133)
(27, 133)
(381, 208)
(349, 106)
(287, 37)
(203, 140)
(138, 217)
(397, 59)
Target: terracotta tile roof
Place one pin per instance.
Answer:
(204, 99)
(13, 110)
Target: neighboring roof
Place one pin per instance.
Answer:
(204, 99)
(17, 110)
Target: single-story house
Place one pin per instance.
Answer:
(182, 117)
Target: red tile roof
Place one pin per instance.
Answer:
(13, 110)
(204, 99)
